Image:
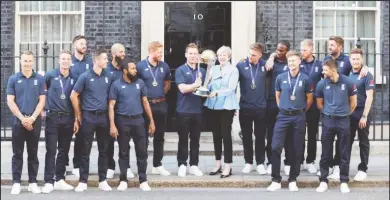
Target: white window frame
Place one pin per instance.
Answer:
(19, 13)
(377, 9)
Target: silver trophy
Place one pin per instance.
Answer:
(207, 57)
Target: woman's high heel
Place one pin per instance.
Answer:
(216, 172)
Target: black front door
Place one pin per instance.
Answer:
(207, 24)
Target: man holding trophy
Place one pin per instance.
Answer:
(189, 77)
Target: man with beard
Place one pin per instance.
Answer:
(93, 87)
(60, 123)
(26, 98)
(253, 105)
(118, 54)
(336, 98)
(189, 110)
(361, 117)
(276, 64)
(312, 67)
(294, 96)
(335, 51)
(156, 75)
(127, 97)
(80, 63)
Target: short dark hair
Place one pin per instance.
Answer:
(285, 43)
(78, 37)
(331, 63)
(98, 52)
(339, 40)
(124, 64)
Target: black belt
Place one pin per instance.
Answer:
(27, 115)
(131, 116)
(158, 100)
(97, 112)
(52, 112)
(335, 117)
(290, 113)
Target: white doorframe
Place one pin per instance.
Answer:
(243, 32)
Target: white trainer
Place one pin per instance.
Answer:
(62, 185)
(47, 188)
(110, 173)
(360, 176)
(129, 173)
(16, 188)
(261, 169)
(76, 172)
(292, 186)
(323, 187)
(145, 186)
(336, 173)
(195, 171)
(344, 188)
(160, 170)
(122, 186)
(274, 186)
(182, 171)
(104, 186)
(311, 168)
(81, 187)
(269, 169)
(247, 168)
(33, 187)
(287, 170)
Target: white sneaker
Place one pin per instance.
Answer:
(62, 185)
(76, 172)
(195, 171)
(160, 170)
(129, 173)
(247, 168)
(110, 173)
(16, 188)
(344, 188)
(330, 171)
(269, 169)
(104, 186)
(287, 170)
(81, 187)
(323, 187)
(145, 186)
(336, 173)
(260, 169)
(122, 186)
(292, 186)
(182, 171)
(33, 187)
(274, 186)
(360, 176)
(311, 168)
(47, 188)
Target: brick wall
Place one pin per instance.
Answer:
(116, 26)
(267, 12)
(383, 90)
(7, 51)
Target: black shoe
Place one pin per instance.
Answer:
(225, 176)
(216, 172)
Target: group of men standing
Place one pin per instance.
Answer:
(124, 100)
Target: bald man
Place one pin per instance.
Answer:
(118, 53)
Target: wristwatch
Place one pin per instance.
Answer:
(364, 116)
